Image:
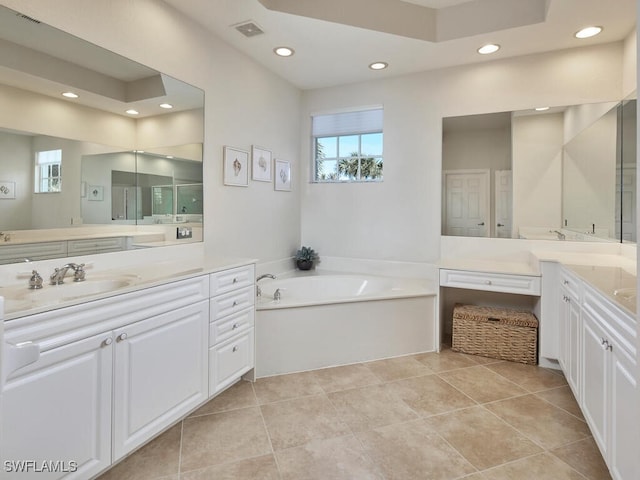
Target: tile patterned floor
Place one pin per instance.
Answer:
(436, 416)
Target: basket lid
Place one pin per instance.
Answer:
(505, 316)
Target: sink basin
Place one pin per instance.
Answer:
(625, 293)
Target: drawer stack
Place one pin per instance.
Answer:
(231, 328)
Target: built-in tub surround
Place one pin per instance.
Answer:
(325, 318)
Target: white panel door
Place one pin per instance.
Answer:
(58, 409)
(466, 203)
(161, 373)
(503, 203)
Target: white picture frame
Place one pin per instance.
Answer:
(260, 164)
(7, 190)
(282, 177)
(235, 167)
(95, 193)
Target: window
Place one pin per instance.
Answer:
(48, 172)
(348, 146)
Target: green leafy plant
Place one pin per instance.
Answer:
(306, 253)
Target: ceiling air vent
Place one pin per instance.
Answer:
(248, 29)
(26, 17)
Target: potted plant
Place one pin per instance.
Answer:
(305, 257)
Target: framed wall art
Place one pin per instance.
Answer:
(235, 167)
(260, 164)
(282, 177)
(95, 193)
(7, 190)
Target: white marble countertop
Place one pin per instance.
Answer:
(19, 301)
(615, 283)
(491, 265)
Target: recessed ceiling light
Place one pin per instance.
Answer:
(70, 95)
(166, 105)
(588, 32)
(283, 51)
(131, 111)
(542, 109)
(488, 48)
(378, 65)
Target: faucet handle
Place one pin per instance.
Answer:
(79, 273)
(35, 282)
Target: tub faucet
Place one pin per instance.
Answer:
(266, 275)
(57, 277)
(561, 236)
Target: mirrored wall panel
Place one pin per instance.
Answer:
(92, 146)
(565, 173)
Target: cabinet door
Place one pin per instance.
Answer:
(563, 332)
(574, 337)
(58, 410)
(595, 380)
(161, 373)
(625, 436)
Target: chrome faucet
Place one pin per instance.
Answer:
(277, 295)
(57, 277)
(266, 275)
(561, 236)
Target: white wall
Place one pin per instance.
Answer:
(537, 170)
(244, 105)
(400, 218)
(14, 167)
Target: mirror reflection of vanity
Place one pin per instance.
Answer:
(564, 173)
(88, 175)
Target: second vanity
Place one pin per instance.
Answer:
(115, 369)
(586, 304)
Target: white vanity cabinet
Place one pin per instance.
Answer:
(609, 383)
(231, 333)
(59, 408)
(570, 329)
(112, 374)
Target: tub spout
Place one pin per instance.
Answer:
(266, 275)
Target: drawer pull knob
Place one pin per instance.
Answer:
(122, 337)
(603, 341)
(235, 325)
(565, 282)
(107, 341)
(235, 348)
(235, 303)
(235, 280)
(487, 282)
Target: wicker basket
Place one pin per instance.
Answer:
(495, 332)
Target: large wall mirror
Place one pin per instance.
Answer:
(565, 173)
(119, 163)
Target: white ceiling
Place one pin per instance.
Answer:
(329, 54)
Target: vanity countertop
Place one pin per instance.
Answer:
(19, 301)
(615, 283)
(492, 265)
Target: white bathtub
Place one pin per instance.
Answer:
(323, 320)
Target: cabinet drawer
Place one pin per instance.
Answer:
(229, 360)
(227, 327)
(491, 282)
(96, 245)
(233, 302)
(571, 284)
(228, 280)
(33, 251)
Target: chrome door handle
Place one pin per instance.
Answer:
(481, 224)
(122, 337)
(501, 224)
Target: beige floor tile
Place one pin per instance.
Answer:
(445, 360)
(258, 468)
(335, 459)
(369, 407)
(410, 451)
(160, 457)
(397, 368)
(291, 423)
(584, 456)
(223, 437)
(544, 423)
(481, 437)
(345, 377)
(239, 395)
(430, 395)
(482, 384)
(563, 398)
(538, 467)
(284, 387)
(529, 377)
